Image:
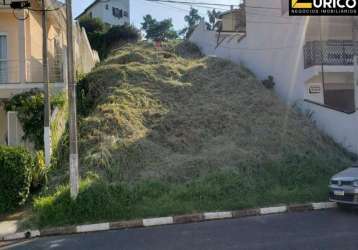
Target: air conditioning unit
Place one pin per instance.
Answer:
(20, 4)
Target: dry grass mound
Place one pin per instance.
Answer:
(174, 115)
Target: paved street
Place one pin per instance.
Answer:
(333, 229)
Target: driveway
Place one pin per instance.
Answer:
(330, 229)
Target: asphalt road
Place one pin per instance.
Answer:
(332, 229)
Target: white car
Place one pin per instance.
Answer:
(344, 187)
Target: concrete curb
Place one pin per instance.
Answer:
(181, 219)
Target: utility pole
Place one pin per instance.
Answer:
(74, 176)
(47, 114)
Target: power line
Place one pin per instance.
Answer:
(173, 7)
(206, 7)
(45, 10)
(191, 3)
(265, 7)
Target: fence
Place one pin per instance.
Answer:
(5, 3)
(10, 71)
(334, 52)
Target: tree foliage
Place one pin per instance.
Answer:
(92, 25)
(16, 165)
(158, 30)
(212, 16)
(30, 111)
(192, 20)
(104, 38)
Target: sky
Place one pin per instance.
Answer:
(160, 11)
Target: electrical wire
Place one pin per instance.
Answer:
(45, 10)
(173, 7)
(206, 7)
(261, 7)
(191, 3)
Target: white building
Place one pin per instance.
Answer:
(112, 12)
(310, 58)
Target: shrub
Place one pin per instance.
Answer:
(117, 36)
(188, 50)
(92, 25)
(269, 82)
(123, 32)
(30, 108)
(39, 171)
(15, 178)
(105, 40)
(295, 180)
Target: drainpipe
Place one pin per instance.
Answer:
(232, 17)
(22, 49)
(322, 63)
(355, 61)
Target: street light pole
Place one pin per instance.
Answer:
(47, 114)
(74, 175)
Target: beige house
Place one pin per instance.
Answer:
(21, 66)
(233, 20)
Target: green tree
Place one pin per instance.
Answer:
(158, 30)
(117, 36)
(192, 20)
(92, 25)
(212, 15)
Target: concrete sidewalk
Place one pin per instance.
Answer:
(10, 224)
(8, 227)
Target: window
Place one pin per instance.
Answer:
(125, 13)
(117, 12)
(90, 15)
(3, 59)
(107, 7)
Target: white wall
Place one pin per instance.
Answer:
(340, 126)
(315, 96)
(274, 46)
(99, 10)
(85, 58)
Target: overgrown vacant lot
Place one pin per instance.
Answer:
(169, 132)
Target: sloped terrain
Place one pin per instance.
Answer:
(174, 115)
(171, 132)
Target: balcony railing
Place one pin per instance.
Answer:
(332, 52)
(5, 3)
(10, 71)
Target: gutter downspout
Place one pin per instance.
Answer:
(322, 63)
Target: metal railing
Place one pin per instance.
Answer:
(5, 3)
(10, 71)
(332, 52)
